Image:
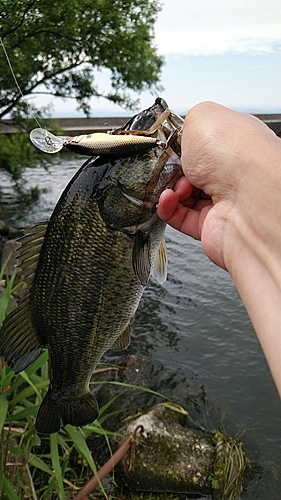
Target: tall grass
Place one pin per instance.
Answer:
(31, 467)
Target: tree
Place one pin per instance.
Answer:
(61, 44)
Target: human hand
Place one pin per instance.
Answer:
(225, 158)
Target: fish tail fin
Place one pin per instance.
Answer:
(78, 412)
(48, 418)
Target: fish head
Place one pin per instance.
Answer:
(130, 189)
(129, 192)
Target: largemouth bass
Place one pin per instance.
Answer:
(86, 270)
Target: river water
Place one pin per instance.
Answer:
(195, 325)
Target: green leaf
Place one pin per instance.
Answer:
(7, 487)
(3, 409)
(6, 376)
(40, 464)
(80, 444)
(31, 412)
(35, 389)
(56, 464)
(28, 391)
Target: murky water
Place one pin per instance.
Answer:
(196, 326)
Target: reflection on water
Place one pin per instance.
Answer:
(195, 326)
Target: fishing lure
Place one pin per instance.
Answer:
(92, 144)
(120, 141)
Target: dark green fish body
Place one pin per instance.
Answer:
(86, 271)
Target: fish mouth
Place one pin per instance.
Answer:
(145, 119)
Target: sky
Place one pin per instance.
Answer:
(227, 51)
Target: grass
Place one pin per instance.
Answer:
(46, 468)
(56, 467)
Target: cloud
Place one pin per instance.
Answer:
(241, 39)
(203, 27)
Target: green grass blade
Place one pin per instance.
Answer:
(130, 386)
(56, 464)
(3, 409)
(29, 412)
(76, 434)
(9, 490)
(40, 464)
(6, 376)
(29, 381)
(106, 405)
(80, 444)
(28, 391)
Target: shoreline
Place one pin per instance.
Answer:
(77, 126)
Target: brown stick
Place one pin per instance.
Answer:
(108, 466)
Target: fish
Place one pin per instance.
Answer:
(87, 268)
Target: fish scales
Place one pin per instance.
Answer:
(103, 241)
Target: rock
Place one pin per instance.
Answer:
(13, 302)
(9, 253)
(3, 227)
(168, 457)
(133, 372)
(177, 454)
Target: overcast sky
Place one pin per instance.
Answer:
(225, 51)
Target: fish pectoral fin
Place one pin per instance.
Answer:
(19, 344)
(142, 257)
(123, 340)
(159, 271)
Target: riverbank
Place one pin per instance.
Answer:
(193, 328)
(77, 126)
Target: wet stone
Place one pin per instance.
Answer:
(134, 372)
(10, 255)
(167, 457)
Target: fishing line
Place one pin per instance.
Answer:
(17, 84)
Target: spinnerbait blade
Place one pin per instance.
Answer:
(45, 141)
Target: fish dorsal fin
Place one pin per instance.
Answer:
(142, 257)
(159, 271)
(123, 340)
(19, 344)
(28, 254)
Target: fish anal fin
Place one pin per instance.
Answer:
(159, 271)
(142, 257)
(19, 344)
(123, 340)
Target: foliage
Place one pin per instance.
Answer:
(16, 151)
(60, 45)
(30, 466)
(57, 48)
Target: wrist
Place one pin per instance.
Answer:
(255, 267)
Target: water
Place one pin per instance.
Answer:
(196, 326)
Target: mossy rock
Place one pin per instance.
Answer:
(167, 457)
